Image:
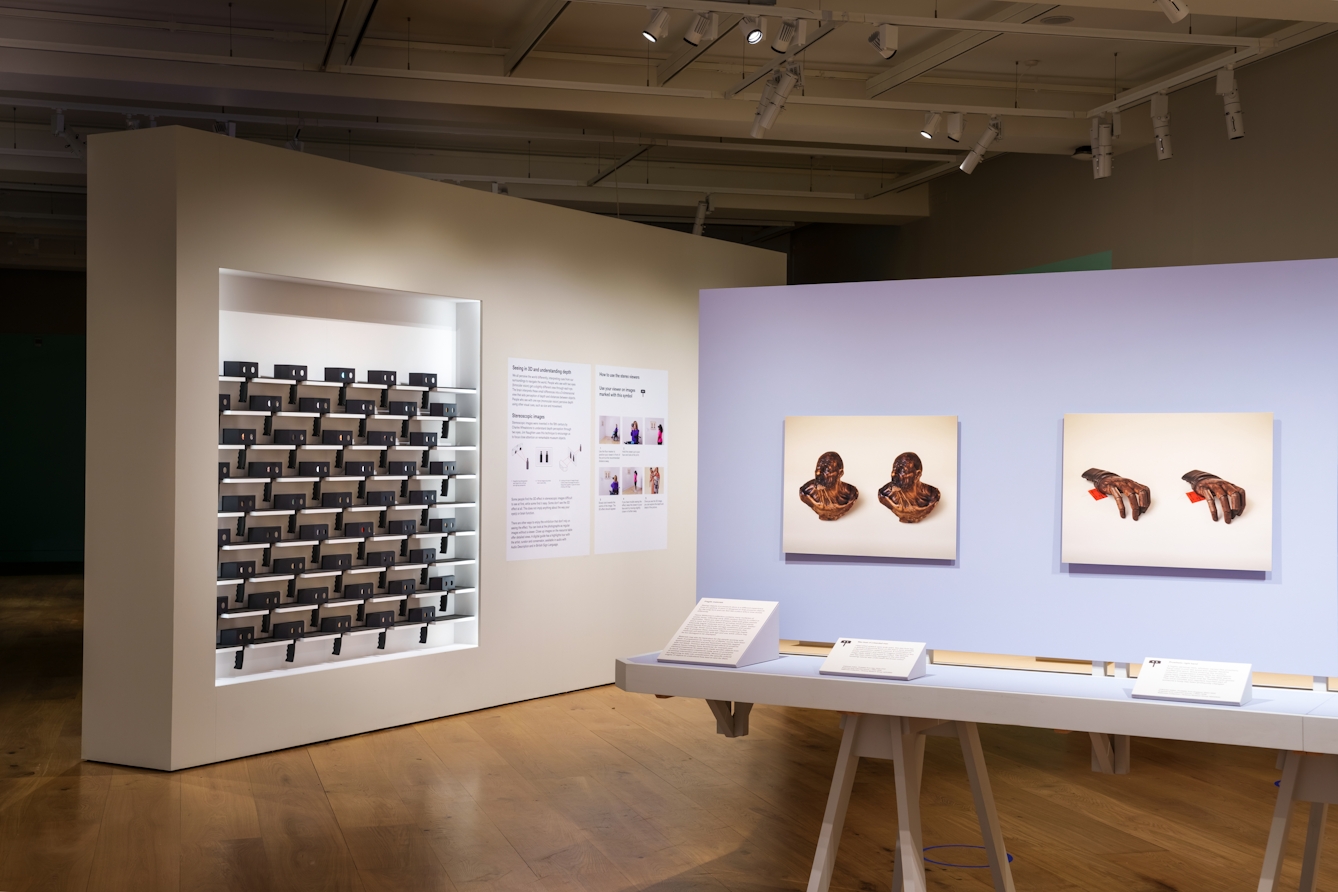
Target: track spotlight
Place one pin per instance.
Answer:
(1099, 133)
(932, 120)
(1175, 9)
(884, 40)
(955, 124)
(982, 145)
(1226, 88)
(705, 26)
(1161, 125)
(754, 28)
(774, 94)
(785, 35)
(657, 26)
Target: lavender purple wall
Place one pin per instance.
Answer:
(1009, 356)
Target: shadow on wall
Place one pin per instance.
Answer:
(853, 252)
(42, 360)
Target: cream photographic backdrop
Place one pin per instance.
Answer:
(1156, 450)
(868, 445)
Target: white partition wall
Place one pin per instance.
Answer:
(195, 243)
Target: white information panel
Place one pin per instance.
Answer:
(632, 459)
(548, 459)
(870, 658)
(1194, 681)
(726, 632)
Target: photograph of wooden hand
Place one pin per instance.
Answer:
(905, 495)
(1122, 490)
(1213, 489)
(829, 498)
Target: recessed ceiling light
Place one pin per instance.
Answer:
(1057, 20)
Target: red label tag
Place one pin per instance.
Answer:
(1194, 497)
(1096, 494)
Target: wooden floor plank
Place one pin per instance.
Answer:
(139, 845)
(593, 791)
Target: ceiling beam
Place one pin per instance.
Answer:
(618, 165)
(1288, 37)
(903, 183)
(532, 32)
(334, 33)
(777, 62)
(579, 136)
(686, 54)
(357, 28)
(949, 49)
(910, 21)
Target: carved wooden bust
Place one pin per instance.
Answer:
(829, 498)
(908, 498)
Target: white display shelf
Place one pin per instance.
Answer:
(315, 659)
(339, 664)
(296, 608)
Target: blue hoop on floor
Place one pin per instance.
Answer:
(959, 846)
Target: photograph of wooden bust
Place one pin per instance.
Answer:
(829, 498)
(908, 498)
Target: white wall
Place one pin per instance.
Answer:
(169, 208)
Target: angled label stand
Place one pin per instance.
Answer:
(726, 632)
(1194, 681)
(871, 658)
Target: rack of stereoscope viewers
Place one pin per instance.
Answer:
(341, 539)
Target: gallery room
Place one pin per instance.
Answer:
(708, 445)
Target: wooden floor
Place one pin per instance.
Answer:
(596, 790)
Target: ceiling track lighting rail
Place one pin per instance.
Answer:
(942, 24)
(343, 124)
(641, 187)
(778, 63)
